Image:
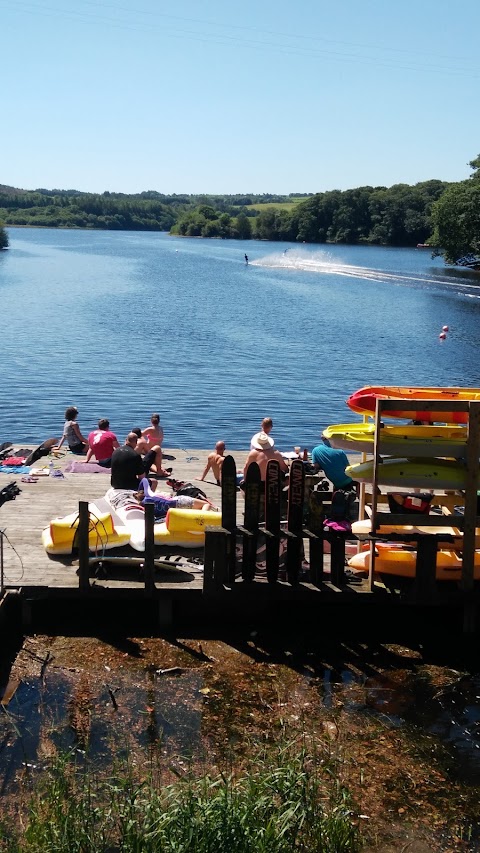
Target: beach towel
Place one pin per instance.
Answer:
(85, 468)
(15, 469)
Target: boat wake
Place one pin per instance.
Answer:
(322, 262)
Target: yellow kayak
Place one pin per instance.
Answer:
(364, 401)
(395, 560)
(362, 530)
(408, 440)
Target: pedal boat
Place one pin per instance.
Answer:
(103, 533)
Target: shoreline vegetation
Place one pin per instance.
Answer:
(431, 213)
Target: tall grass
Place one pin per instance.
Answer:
(275, 805)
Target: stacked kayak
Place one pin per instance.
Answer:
(404, 441)
(104, 533)
(364, 401)
(412, 473)
(182, 527)
(395, 559)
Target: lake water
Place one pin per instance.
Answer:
(122, 324)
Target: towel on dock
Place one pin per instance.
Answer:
(85, 468)
(14, 469)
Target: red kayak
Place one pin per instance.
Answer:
(364, 402)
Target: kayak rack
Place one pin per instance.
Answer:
(427, 543)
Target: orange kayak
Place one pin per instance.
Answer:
(392, 559)
(364, 401)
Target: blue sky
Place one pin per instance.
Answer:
(221, 97)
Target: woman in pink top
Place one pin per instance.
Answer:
(153, 434)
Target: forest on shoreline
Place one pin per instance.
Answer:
(445, 215)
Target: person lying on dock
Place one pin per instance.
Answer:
(215, 461)
(162, 503)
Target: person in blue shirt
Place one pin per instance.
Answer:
(333, 462)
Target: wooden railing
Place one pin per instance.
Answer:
(265, 504)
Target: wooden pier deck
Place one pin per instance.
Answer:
(31, 575)
(26, 563)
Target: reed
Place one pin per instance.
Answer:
(289, 801)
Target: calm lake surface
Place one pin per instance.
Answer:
(122, 324)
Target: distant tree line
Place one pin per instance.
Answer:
(398, 216)
(3, 237)
(456, 218)
(445, 215)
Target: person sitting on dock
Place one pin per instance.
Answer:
(266, 427)
(102, 443)
(127, 465)
(151, 454)
(72, 434)
(215, 461)
(333, 461)
(262, 452)
(153, 434)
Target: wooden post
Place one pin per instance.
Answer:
(272, 519)
(425, 588)
(376, 462)
(83, 546)
(149, 564)
(229, 513)
(296, 492)
(253, 485)
(470, 516)
(337, 558)
(215, 565)
(315, 535)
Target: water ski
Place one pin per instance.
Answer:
(160, 563)
(253, 489)
(5, 449)
(296, 493)
(229, 510)
(42, 450)
(273, 489)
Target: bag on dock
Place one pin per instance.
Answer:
(415, 503)
(343, 510)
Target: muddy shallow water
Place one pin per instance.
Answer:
(403, 727)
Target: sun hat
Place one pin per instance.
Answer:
(261, 441)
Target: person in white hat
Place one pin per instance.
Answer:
(262, 451)
(266, 426)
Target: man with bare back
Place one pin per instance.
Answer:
(215, 462)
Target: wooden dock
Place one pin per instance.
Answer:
(219, 593)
